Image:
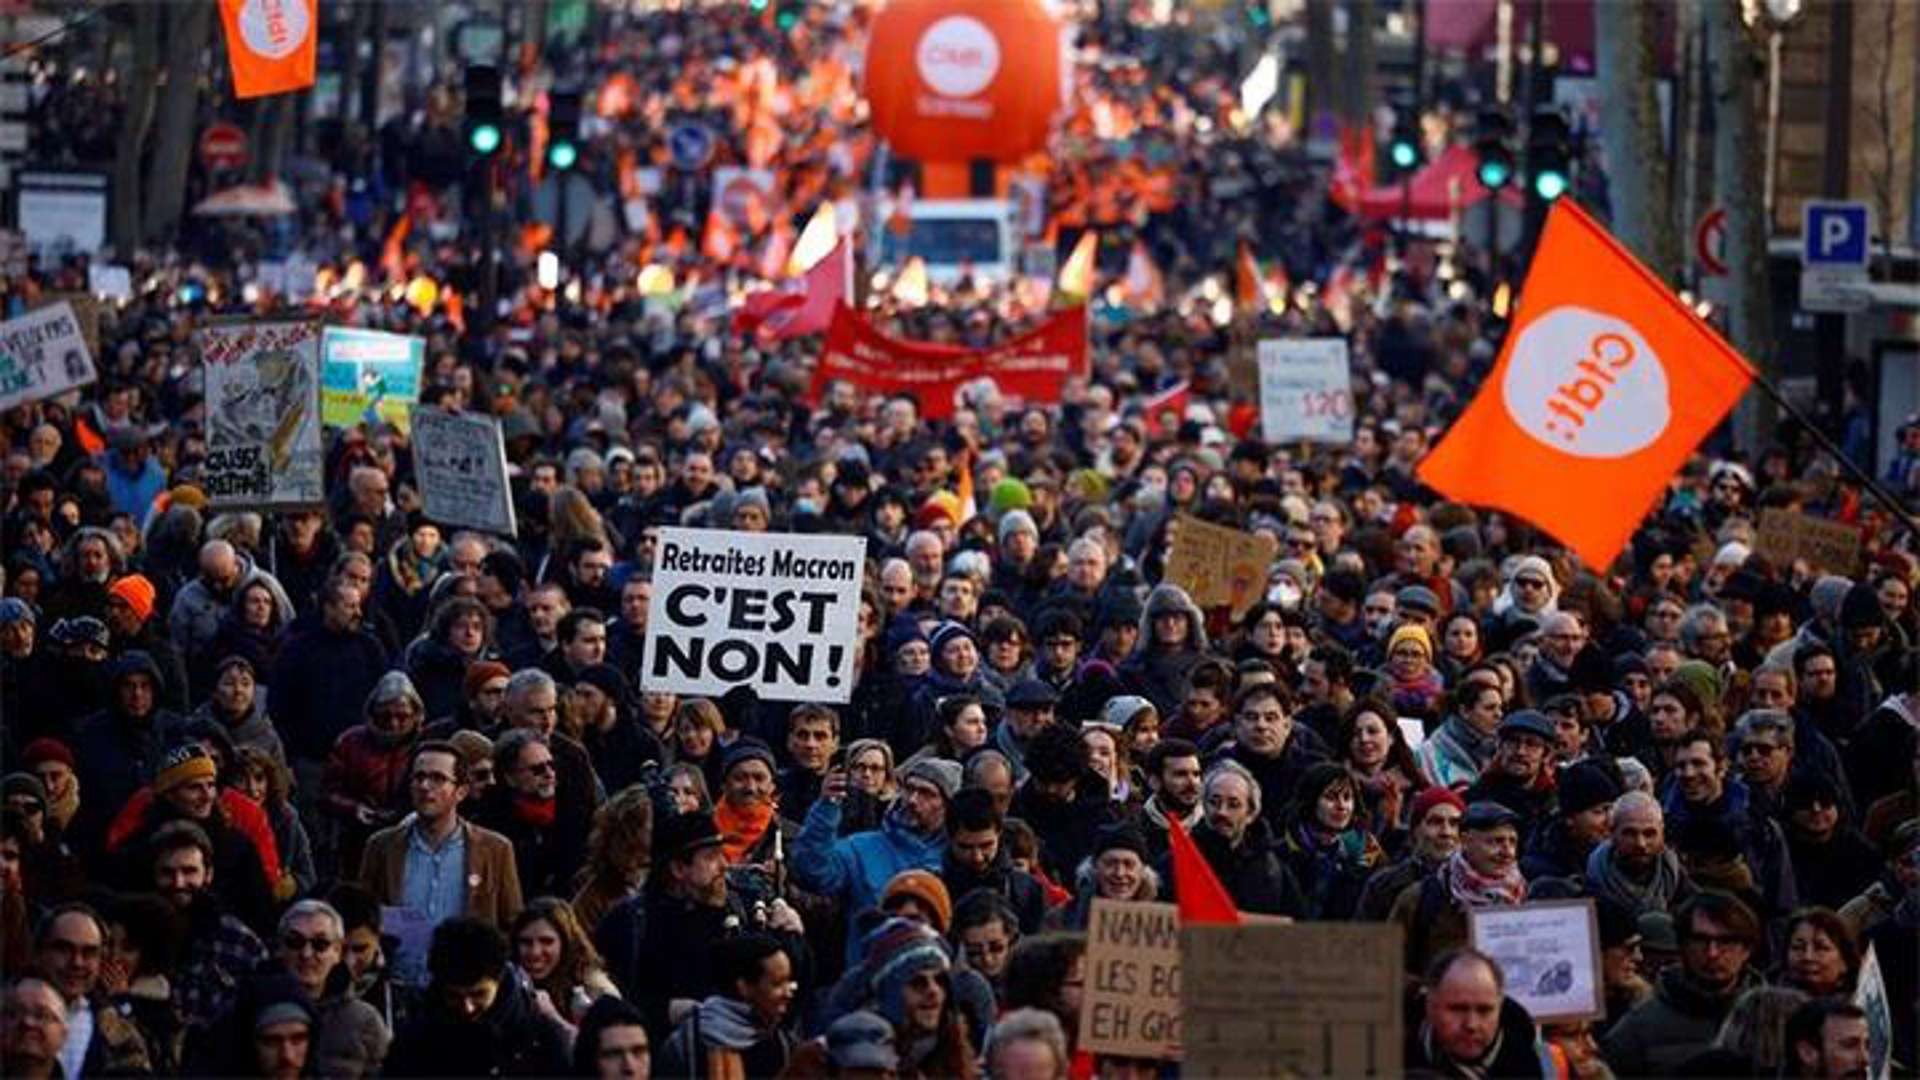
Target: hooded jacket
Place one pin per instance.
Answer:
(1158, 674)
(114, 754)
(1066, 829)
(197, 610)
(511, 1038)
(254, 729)
(1254, 874)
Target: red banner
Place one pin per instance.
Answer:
(1033, 367)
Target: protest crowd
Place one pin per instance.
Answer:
(340, 789)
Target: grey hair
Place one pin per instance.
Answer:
(306, 909)
(978, 763)
(1022, 1024)
(395, 686)
(1757, 720)
(1636, 800)
(1694, 623)
(1756, 1026)
(508, 748)
(1224, 769)
(527, 680)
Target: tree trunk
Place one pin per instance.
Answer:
(140, 76)
(188, 24)
(1358, 62)
(1323, 94)
(1636, 161)
(1737, 136)
(276, 133)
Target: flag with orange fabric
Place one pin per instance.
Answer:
(271, 45)
(1606, 383)
(1249, 291)
(720, 240)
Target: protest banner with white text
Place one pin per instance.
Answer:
(43, 353)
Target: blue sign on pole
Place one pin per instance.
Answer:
(691, 145)
(1836, 235)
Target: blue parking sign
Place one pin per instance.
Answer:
(1836, 235)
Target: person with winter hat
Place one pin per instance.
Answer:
(1483, 872)
(1173, 638)
(906, 975)
(856, 869)
(1433, 826)
(1559, 846)
(187, 789)
(129, 615)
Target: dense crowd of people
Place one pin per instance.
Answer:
(342, 791)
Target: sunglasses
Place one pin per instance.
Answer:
(296, 942)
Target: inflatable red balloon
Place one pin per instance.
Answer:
(955, 80)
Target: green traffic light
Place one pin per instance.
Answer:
(1550, 184)
(562, 155)
(786, 19)
(1495, 174)
(1404, 154)
(757, 5)
(484, 138)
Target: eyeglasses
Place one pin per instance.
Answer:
(432, 779)
(1529, 583)
(293, 941)
(1760, 749)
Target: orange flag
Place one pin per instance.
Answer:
(1249, 292)
(1144, 285)
(1203, 900)
(720, 240)
(1604, 386)
(393, 253)
(271, 45)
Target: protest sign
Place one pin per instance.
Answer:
(262, 390)
(43, 353)
(1218, 566)
(1413, 730)
(460, 464)
(1033, 367)
(369, 377)
(1784, 536)
(1306, 390)
(110, 282)
(1132, 1005)
(1288, 1000)
(1549, 952)
(86, 311)
(779, 612)
(1870, 994)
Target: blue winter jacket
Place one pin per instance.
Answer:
(855, 869)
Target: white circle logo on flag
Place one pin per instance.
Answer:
(275, 28)
(958, 56)
(1586, 384)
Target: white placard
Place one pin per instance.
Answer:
(1870, 993)
(43, 353)
(1549, 952)
(63, 213)
(263, 414)
(1305, 390)
(110, 282)
(460, 463)
(779, 612)
(1412, 730)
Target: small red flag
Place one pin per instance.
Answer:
(1203, 900)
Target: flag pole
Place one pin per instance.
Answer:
(1865, 479)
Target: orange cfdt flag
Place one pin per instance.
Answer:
(271, 45)
(1249, 292)
(1203, 900)
(1604, 386)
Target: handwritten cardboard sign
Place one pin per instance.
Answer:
(1319, 999)
(1833, 546)
(460, 463)
(1132, 1006)
(1217, 566)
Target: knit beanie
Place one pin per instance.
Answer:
(1414, 633)
(183, 764)
(939, 772)
(1010, 494)
(1431, 797)
(1861, 608)
(22, 783)
(482, 672)
(1583, 786)
(745, 749)
(940, 504)
(946, 632)
(137, 592)
(46, 749)
(896, 951)
(1699, 677)
(925, 887)
(1017, 521)
(904, 630)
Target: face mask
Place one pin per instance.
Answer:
(805, 506)
(1284, 594)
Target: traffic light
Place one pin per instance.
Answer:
(1403, 147)
(484, 113)
(1549, 155)
(563, 128)
(787, 15)
(1491, 146)
(1259, 14)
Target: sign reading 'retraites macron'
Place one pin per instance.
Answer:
(779, 612)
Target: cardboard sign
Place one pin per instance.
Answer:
(262, 389)
(1549, 952)
(369, 377)
(1306, 390)
(1218, 566)
(779, 612)
(43, 353)
(1320, 999)
(86, 310)
(1132, 1006)
(1832, 546)
(1870, 993)
(460, 463)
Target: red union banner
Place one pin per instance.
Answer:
(1033, 367)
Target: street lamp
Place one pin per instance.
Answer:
(1777, 16)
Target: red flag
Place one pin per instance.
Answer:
(1249, 292)
(803, 305)
(1606, 383)
(1203, 900)
(1165, 411)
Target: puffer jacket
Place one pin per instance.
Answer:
(856, 869)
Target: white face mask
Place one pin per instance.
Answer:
(1284, 594)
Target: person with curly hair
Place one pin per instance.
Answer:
(619, 853)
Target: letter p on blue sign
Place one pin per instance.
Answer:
(1836, 235)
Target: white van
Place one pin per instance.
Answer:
(954, 235)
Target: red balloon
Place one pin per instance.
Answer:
(955, 80)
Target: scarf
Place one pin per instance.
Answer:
(728, 1023)
(60, 811)
(1445, 1065)
(1157, 814)
(1467, 741)
(1472, 889)
(740, 830)
(538, 813)
(1606, 877)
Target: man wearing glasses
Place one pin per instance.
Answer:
(434, 866)
(349, 1038)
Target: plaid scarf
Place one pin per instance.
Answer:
(1472, 889)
